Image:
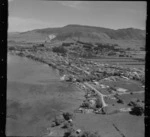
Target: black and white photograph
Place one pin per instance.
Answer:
(76, 68)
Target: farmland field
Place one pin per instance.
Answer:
(122, 61)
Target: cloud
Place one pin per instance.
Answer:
(72, 4)
(24, 24)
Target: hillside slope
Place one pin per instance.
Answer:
(130, 37)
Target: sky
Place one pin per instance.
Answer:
(27, 15)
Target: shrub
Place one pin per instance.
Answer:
(59, 49)
(85, 104)
(89, 134)
(120, 101)
(142, 48)
(69, 133)
(111, 54)
(67, 116)
(137, 107)
(133, 102)
(98, 103)
(41, 45)
(131, 93)
(11, 48)
(137, 110)
(66, 44)
(87, 46)
(67, 125)
(128, 49)
(57, 121)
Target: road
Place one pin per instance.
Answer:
(80, 69)
(98, 93)
(102, 96)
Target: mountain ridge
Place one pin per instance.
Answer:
(114, 34)
(93, 34)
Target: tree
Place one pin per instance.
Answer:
(70, 133)
(58, 120)
(67, 125)
(85, 104)
(67, 116)
(89, 134)
(111, 53)
(66, 44)
(11, 48)
(142, 48)
(120, 101)
(137, 110)
(98, 103)
(128, 49)
(59, 49)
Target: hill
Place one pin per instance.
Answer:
(129, 37)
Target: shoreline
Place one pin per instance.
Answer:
(81, 85)
(75, 71)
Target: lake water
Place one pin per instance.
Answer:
(28, 71)
(35, 95)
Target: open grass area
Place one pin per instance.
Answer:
(122, 61)
(129, 126)
(130, 85)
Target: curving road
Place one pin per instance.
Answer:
(102, 95)
(98, 93)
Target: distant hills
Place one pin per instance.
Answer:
(129, 37)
